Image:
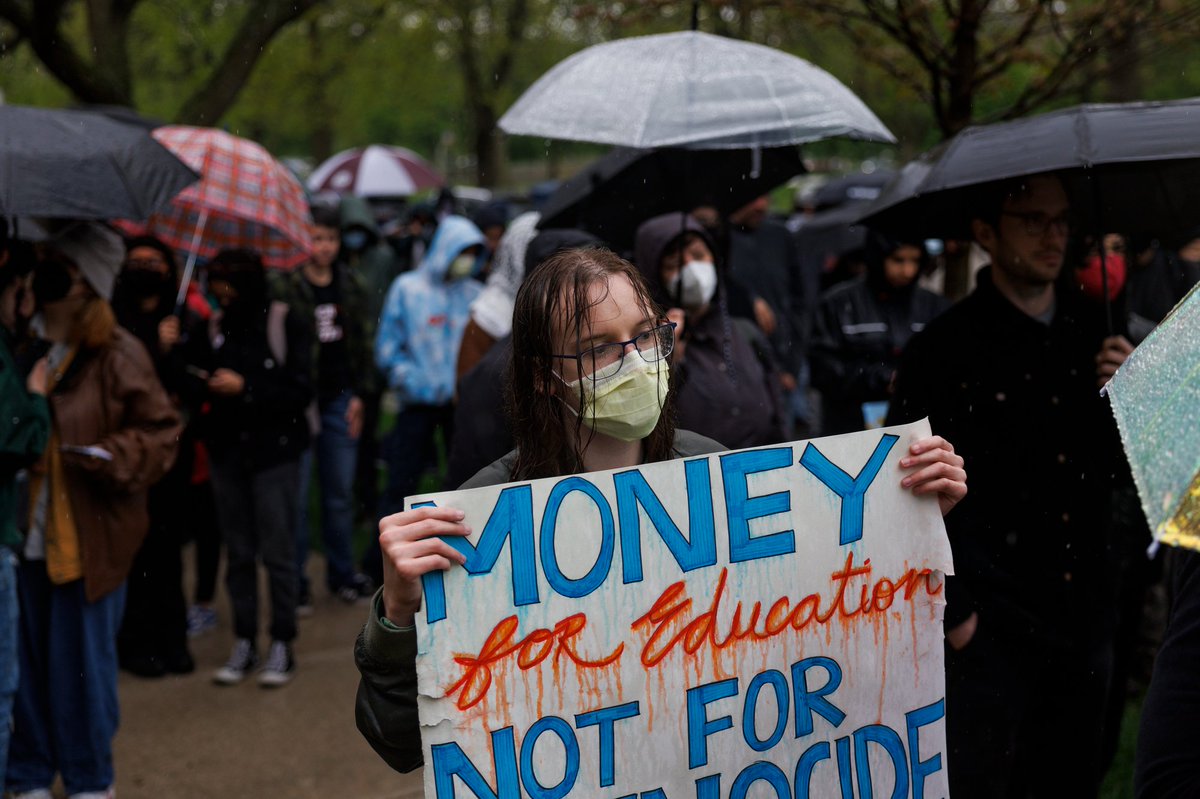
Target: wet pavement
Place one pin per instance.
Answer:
(185, 738)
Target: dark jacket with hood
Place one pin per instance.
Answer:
(271, 347)
(725, 381)
(376, 263)
(1018, 399)
(171, 366)
(1153, 289)
(861, 329)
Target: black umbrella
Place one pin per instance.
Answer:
(1130, 168)
(83, 165)
(825, 236)
(622, 189)
(856, 188)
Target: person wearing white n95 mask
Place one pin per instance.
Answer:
(728, 387)
(695, 284)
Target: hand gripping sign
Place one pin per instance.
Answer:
(756, 624)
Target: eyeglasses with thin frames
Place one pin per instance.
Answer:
(606, 360)
(1035, 223)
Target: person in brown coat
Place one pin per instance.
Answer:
(114, 432)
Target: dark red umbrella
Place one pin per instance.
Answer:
(378, 170)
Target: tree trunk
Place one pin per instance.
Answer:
(262, 21)
(108, 30)
(964, 63)
(488, 160)
(321, 138)
(41, 26)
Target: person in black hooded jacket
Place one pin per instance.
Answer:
(259, 383)
(153, 636)
(862, 327)
(729, 386)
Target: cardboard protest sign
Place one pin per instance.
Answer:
(754, 624)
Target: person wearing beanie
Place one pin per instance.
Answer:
(861, 329)
(113, 434)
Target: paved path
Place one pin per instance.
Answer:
(185, 738)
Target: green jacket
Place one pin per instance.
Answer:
(386, 656)
(377, 265)
(295, 290)
(23, 436)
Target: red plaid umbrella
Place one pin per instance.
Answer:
(245, 198)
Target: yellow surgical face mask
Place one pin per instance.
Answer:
(627, 405)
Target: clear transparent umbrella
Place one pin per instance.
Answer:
(1156, 396)
(690, 89)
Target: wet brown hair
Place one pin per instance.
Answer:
(554, 296)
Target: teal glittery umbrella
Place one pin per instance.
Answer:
(1156, 398)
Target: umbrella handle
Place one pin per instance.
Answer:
(190, 267)
(1098, 206)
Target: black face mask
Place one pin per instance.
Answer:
(143, 282)
(51, 282)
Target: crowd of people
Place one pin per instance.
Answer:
(473, 351)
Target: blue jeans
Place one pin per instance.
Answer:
(66, 711)
(410, 449)
(337, 460)
(9, 670)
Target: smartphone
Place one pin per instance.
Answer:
(99, 453)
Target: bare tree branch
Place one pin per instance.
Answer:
(1002, 53)
(39, 24)
(262, 21)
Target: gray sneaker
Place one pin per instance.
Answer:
(243, 659)
(279, 668)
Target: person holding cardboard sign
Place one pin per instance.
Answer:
(589, 391)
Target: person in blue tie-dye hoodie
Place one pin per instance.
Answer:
(420, 331)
